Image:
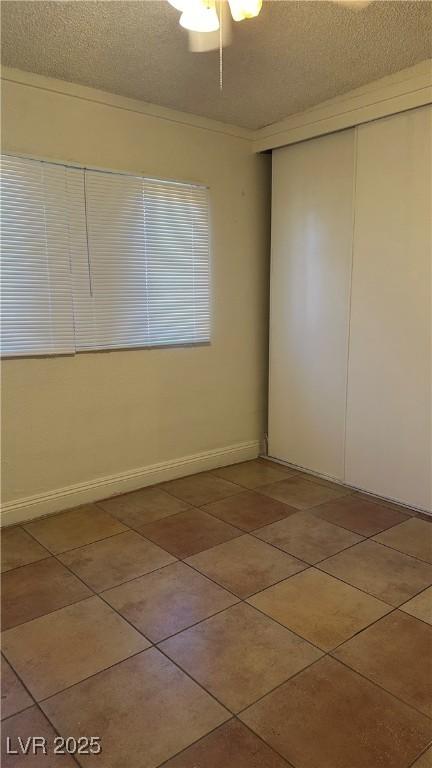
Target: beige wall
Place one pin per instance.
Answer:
(69, 420)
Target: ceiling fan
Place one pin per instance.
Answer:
(209, 21)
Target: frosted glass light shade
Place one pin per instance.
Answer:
(244, 9)
(199, 16)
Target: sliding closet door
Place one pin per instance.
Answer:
(388, 448)
(310, 282)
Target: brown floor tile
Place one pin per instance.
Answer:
(395, 653)
(301, 493)
(112, 561)
(425, 761)
(307, 537)
(145, 710)
(74, 528)
(167, 601)
(385, 573)
(57, 650)
(239, 655)
(19, 548)
(413, 537)
(231, 746)
(200, 489)
(26, 725)
(36, 589)
(251, 474)
(188, 532)
(330, 717)
(323, 610)
(143, 506)
(249, 510)
(420, 606)
(358, 515)
(14, 696)
(245, 565)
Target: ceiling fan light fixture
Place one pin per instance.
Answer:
(244, 9)
(199, 16)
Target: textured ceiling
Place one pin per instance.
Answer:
(293, 56)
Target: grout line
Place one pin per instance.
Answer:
(271, 690)
(194, 506)
(100, 503)
(393, 549)
(292, 631)
(65, 551)
(280, 549)
(19, 711)
(279, 685)
(381, 687)
(360, 589)
(18, 567)
(47, 613)
(421, 754)
(192, 744)
(156, 643)
(253, 594)
(35, 704)
(200, 685)
(266, 743)
(359, 631)
(236, 719)
(86, 584)
(134, 578)
(328, 654)
(94, 674)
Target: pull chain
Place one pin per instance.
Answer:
(220, 47)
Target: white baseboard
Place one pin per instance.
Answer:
(30, 507)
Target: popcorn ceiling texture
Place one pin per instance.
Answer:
(293, 56)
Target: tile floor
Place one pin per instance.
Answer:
(248, 617)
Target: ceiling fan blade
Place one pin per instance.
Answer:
(200, 42)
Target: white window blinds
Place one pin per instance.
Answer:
(148, 262)
(36, 287)
(139, 255)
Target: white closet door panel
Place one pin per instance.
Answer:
(388, 448)
(310, 282)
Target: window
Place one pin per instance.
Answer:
(96, 260)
